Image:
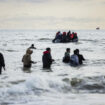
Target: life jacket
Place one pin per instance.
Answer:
(71, 36)
(64, 33)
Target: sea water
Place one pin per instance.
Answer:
(62, 84)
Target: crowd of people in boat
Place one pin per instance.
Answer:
(65, 37)
(47, 60)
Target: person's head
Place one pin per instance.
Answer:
(77, 51)
(32, 45)
(68, 49)
(64, 33)
(69, 31)
(75, 33)
(28, 51)
(58, 33)
(48, 49)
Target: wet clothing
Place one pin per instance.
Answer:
(47, 59)
(27, 60)
(74, 60)
(81, 58)
(2, 63)
(66, 58)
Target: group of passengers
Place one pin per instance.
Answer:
(65, 37)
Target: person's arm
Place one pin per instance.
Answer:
(31, 60)
(4, 68)
(50, 58)
(83, 57)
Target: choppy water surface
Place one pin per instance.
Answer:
(63, 85)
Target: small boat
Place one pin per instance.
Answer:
(60, 41)
(65, 38)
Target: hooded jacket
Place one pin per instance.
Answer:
(46, 59)
(27, 58)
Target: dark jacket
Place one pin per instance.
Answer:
(81, 58)
(47, 59)
(2, 63)
(64, 37)
(66, 58)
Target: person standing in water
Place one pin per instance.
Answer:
(47, 58)
(66, 58)
(74, 60)
(2, 63)
(32, 46)
(80, 57)
(27, 62)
